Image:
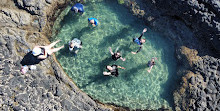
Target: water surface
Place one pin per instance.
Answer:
(134, 87)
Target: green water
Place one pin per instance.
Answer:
(134, 87)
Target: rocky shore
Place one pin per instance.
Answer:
(24, 24)
(193, 25)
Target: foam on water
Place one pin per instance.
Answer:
(134, 87)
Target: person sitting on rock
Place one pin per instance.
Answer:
(78, 8)
(116, 55)
(151, 63)
(139, 41)
(42, 52)
(112, 70)
(75, 45)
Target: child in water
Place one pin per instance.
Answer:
(151, 64)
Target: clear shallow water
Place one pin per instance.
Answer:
(134, 87)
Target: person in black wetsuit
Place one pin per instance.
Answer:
(116, 55)
(112, 70)
(139, 41)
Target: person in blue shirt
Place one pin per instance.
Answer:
(93, 21)
(78, 8)
(139, 41)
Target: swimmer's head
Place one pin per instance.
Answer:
(92, 21)
(118, 53)
(76, 10)
(143, 40)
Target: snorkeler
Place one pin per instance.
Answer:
(139, 41)
(116, 55)
(42, 52)
(93, 21)
(151, 63)
(112, 70)
(78, 8)
(75, 45)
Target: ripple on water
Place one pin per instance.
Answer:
(135, 87)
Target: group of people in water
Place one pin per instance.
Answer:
(42, 52)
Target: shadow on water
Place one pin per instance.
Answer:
(111, 39)
(170, 86)
(65, 52)
(119, 10)
(70, 18)
(128, 74)
(79, 33)
(100, 78)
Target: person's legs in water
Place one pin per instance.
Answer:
(51, 51)
(108, 73)
(52, 44)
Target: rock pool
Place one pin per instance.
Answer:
(134, 87)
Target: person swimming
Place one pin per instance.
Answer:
(75, 45)
(112, 70)
(139, 41)
(116, 55)
(151, 64)
(42, 52)
(78, 8)
(93, 21)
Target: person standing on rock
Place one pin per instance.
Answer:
(78, 8)
(42, 52)
(139, 41)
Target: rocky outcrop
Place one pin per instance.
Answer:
(200, 89)
(46, 88)
(202, 16)
(183, 21)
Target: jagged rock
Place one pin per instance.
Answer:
(49, 1)
(58, 91)
(192, 80)
(2, 41)
(22, 98)
(67, 105)
(32, 6)
(10, 17)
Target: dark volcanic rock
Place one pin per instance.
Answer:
(20, 22)
(207, 89)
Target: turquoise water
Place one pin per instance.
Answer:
(134, 87)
